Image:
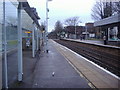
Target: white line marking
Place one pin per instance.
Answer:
(62, 48)
(81, 75)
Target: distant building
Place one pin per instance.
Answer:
(70, 31)
(89, 31)
(90, 27)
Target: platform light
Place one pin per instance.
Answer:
(49, 0)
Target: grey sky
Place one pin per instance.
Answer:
(63, 9)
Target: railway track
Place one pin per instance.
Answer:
(105, 59)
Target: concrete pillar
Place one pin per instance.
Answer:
(37, 38)
(46, 32)
(5, 73)
(20, 59)
(33, 41)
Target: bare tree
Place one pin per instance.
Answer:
(116, 7)
(72, 21)
(104, 9)
(108, 9)
(58, 26)
(58, 29)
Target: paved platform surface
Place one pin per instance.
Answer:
(96, 42)
(89, 41)
(29, 64)
(0, 71)
(98, 77)
(38, 71)
(65, 75)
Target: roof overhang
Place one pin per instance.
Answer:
(109, 20)
(28, 9)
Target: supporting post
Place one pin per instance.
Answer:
(5, 48)
(37, 38)
(86, 32)
(20, 62)
(33, 41)
(75, 32)
(46, 26)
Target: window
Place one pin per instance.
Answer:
(113, 34)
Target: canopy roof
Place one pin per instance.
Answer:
(109, 20)
(31, 11)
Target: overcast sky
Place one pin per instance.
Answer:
(63, 9)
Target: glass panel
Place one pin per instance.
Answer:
(26, 21)
(1, 17)
(11, 36)
(0, 37)
(27, 25)
(11, 25)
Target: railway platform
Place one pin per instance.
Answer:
(96, 75)
(89, 41)
(49, 70)
(96, 42)
(54, 71)
(63, 68)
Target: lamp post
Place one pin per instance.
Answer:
(75, 24)
(75, 32)
(46, 33)
(86, 32)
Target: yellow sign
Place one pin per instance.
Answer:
(27, 32)
(42, 31)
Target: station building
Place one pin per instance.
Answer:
(18, 25)
(109, 27)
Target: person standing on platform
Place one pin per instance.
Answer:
(81, 37)
(105, 41)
